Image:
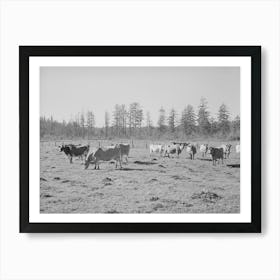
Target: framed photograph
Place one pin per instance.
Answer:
(140, 139)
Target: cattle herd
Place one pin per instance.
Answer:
(119, 152)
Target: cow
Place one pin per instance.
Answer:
(217, 154)
(203, 149)
(174, 148)
(125, 148)
(156, 149)
(71, 151)
(237, 148)
(191, 150)
(112, 153)
(180, 147)
(226, 148)
(169, 149)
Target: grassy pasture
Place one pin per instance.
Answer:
(144, 185)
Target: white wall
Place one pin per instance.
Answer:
(147, 256)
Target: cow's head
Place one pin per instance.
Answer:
(211, 150)
(228, 147)
(90, 159)
(61, 148)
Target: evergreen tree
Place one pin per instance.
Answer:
(172, 120)
(223, 120)
(161, 120)
(203, 117)
(236, 127)
(188, 120)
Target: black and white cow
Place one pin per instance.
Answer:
(71, 151)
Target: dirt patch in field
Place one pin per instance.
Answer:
(206, 196)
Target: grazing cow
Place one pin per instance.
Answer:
(226, 148)
(191, 150)
(157, 149)
(203, 149)
(237, 149)
(112, 153)
(217, 154)
(74, 151)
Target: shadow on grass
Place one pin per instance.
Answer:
(133, 169)
(205, 159)
(144, 162)
(233, 165)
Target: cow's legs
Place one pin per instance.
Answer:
(71, 159)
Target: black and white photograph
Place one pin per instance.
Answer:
(140, 139)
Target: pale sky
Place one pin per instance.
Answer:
(65, 91)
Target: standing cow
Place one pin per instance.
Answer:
(71, 151)
(226, 149)
(191, 150)
(203, 149)
(217, 154)
(237, 149)
(125, 148)
(174, 148)
(156, 149)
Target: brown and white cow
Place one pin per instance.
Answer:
(191, 150)
(174, 148)
(102, 154)
(227, 149)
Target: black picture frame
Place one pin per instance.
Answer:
(25, 52)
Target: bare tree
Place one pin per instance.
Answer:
(90, 123)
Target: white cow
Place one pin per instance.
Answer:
(226, 149)
(156, 149)
(237, 148)
(203, 149)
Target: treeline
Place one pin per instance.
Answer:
(130, 121)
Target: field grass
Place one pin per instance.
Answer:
(144, 185)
